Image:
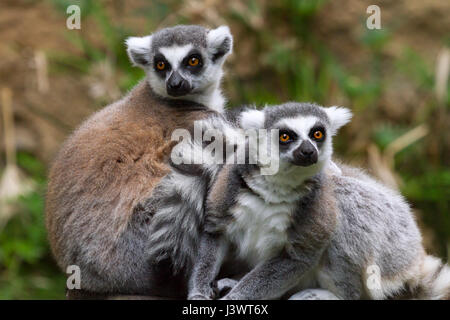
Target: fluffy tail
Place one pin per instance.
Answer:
(180, 196)
(175, 227)
(435, 281)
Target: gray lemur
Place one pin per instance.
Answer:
(184, 62)
(311, 227)
(98, 204)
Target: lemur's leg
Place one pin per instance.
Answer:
(348, 284)
(211, 254)
(314, 294)
(346, 279)
(225, 285)
(271, 279)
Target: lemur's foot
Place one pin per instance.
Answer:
(198, 297)
(314, 294)
(225, 285)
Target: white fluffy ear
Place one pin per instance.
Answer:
(252, 119)
(339, 116)
(138, 49)
(220, 43)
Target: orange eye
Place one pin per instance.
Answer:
(160, 65)
(318, 135)
(284, 137)
(193, 61)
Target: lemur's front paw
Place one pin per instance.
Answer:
(199, 296)
(314, 294)
(205, 293)
(225, 285)
(231, 296)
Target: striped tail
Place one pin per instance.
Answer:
(435, 282)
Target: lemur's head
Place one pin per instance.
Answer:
(305, 131)
(182, 61)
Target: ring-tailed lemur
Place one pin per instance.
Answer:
(184, 62)
(97, 208)
(306, 227)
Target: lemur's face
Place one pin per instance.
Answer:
(305, 131)
(182, 61)
(303, 140)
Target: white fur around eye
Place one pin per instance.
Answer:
(252, 119)
(300, 125)
(175, 54)
(339, 116)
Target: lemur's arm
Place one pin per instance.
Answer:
(273, 278)
(308, 238)
(211, 253)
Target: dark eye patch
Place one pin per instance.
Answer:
(318, 127)
(292, 136)
(160, 58)
(193, 54)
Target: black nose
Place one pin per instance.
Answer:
(177, 86)
(307, 152)
(305, 155)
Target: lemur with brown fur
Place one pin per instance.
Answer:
(97, 211)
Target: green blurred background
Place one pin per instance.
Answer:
(395, 80)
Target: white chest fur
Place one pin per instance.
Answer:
(259, 228)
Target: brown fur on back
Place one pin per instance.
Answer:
(107, 166)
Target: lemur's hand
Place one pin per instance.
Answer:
(233, 296)
(198, 296)
(206, 293)
(314, 294)
(225, 285)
